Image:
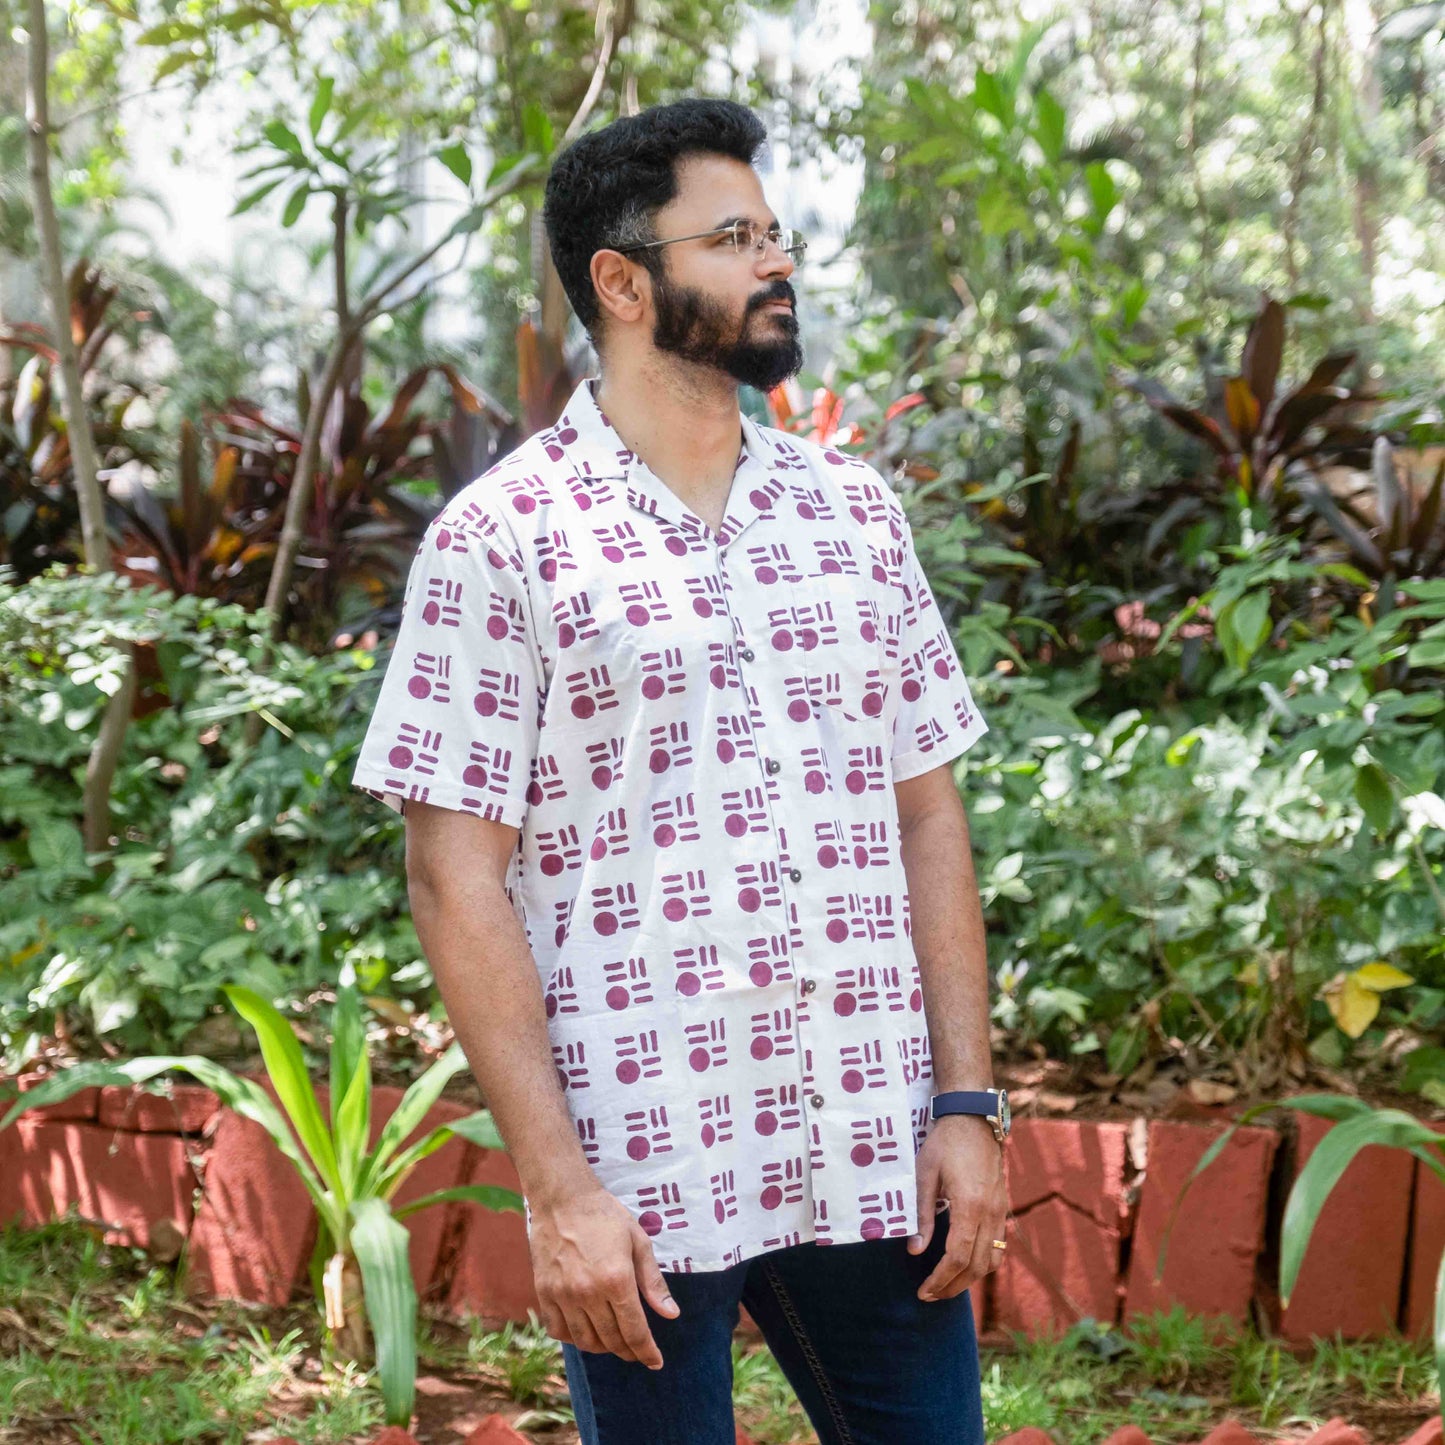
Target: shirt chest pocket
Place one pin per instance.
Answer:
(839, 625)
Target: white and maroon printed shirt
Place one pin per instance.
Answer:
(697, 734)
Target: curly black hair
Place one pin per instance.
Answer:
(606, 187)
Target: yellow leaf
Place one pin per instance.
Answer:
(1248, 975)
(1352, 1004)
(1381, 975)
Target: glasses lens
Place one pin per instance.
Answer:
(793, 244)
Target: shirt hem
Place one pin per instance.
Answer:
(851, 1236)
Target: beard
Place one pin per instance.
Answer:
(761, 350)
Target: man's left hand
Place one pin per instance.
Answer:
(962, 1162)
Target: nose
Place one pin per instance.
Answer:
(774, 261)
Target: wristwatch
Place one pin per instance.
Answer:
(991, 1103)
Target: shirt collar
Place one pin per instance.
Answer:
(596, 453)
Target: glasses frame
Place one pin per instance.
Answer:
(793, 253)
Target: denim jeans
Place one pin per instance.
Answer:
(871, 1363)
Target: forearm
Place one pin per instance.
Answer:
(487, 977)
(948, 941)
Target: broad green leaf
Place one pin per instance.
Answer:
(478, 1128)
(1440, 1327)
(455, 158)
(1102, 191)
(350, 1088)
(1326, 1106)
(320, 104)
(1049, 122)
(1329, 1160)
(381, 1246)
(409, 1113)
(255, 197)
(282, 137)
(295, 204)
(286, 1068)
(1375, 796)
(56, 845)
(988, 95)
(489, 1196)
(1131, 304)
(537, 129)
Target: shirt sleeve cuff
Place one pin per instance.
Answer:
(953, 745)
(495, 810)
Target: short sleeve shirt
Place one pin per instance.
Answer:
(697, 734)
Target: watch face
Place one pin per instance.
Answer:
(1003, 1110)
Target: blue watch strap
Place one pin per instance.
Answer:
(966, 1101)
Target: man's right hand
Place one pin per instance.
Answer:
(590, 1260)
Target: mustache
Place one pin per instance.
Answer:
(781, 292)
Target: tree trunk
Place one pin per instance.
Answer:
(105, 752)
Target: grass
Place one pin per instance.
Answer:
(98, 1347)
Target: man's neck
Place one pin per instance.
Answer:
(682, 422)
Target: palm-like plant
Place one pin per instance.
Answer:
(360, 1269)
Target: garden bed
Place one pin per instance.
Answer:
(1090, 1199)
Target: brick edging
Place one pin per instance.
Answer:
(1089, 1200)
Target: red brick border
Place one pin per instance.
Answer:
(1089, 1213)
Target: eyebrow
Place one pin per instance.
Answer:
(733, 221)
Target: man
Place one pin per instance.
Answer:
(670, 715)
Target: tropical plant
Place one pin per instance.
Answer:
(1263, 436)
(1358, 1125)
(1402, 538)
(360, 1269)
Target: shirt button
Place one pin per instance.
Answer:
(746, 654)
(808, 985)
(772, 765)
(816, 1101)
(795, 874)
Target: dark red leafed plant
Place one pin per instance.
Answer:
(1262, 435)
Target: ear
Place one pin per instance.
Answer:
(623, 288)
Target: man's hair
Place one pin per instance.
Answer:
(604, 190)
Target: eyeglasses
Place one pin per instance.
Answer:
(745, 237)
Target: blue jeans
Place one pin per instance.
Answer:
(870, 1362)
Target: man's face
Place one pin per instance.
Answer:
(715, 305)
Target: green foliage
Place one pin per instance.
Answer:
(1159, 879)
(255, 866)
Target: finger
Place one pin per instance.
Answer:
(583, 1335)
(632, 1327)
(962, 1235)
(996, 1256)
(605, 1323)
(649, 1277)
(555, 1323)
(984, 1254)
(927, 1209)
